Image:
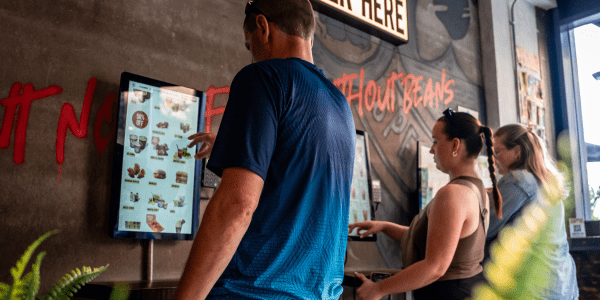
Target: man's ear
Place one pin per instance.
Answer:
(263, 28)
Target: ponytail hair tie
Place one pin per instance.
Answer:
(481, 129)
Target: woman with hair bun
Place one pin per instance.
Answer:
(527, 171)
(443, 248)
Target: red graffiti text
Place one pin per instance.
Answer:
(23, 101)
(411, 97)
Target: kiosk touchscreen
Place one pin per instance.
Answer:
(156, 180)
(361, 202)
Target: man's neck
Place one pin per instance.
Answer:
(287, 46)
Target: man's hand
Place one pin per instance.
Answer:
(368, 290)
(207, 140)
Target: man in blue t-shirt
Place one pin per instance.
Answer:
(276, 228)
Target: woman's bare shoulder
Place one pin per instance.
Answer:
(454, 190)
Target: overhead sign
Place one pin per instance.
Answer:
(385, 19)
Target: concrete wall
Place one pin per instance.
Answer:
(198, 44)
(500, 86)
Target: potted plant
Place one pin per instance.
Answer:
(27, 286)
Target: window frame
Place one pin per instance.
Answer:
(572, 96)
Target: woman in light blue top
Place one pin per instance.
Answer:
(526, 170)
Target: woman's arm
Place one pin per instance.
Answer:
(394, 231)
(446, 218)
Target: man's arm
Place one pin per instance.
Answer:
(224, 223)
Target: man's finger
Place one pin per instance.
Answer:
(198, 140)
(201, 154)
(195, 135)
(201, 137)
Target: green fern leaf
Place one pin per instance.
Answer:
(20, 289)
(33, 285)
(4, 288)
(17, 271)
(69, 285)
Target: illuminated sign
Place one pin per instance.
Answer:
(385, 19)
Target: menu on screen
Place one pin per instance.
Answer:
(157, 191)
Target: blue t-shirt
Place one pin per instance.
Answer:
(289, 124)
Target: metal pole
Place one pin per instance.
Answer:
(150, 260)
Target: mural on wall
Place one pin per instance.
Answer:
(397, 93)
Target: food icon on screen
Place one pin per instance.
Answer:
(365, 215)
(353, 193)
(164, 125)
(162, 203)
(178, 225)
(155, 141)
(181, 177)
(364, 194)
(136, 171)
(140, 119)
(153, 223)
(143, 140)
(154, 199)
(179, 202)
(182, 153)
(175, 107)
(138, 144)
(134, 197)
(136, 96)
(132, 140)
(162, 150)
(184, 127)
(160, 174)
(139, 95)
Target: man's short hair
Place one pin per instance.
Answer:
(294, 17)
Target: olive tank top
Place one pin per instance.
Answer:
(469, 251)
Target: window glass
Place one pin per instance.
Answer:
(587, 43)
